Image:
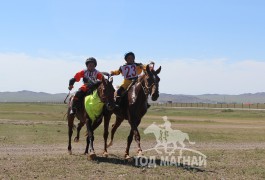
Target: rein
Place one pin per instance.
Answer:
(146, 88)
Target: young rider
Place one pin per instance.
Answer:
(90, 77)
(130, 70)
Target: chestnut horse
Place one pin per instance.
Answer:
(134, 106)
(105, 91)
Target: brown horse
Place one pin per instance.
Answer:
(134, 106)
(105, 91)
(106, 95)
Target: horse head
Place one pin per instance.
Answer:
(106, 93)
(152, 82)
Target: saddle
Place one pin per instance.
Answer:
(123, 99)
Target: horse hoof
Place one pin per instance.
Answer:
(140, 153)
(127, 157)
(76, 139)
(91, 156)
(105, 154)
(70, 152)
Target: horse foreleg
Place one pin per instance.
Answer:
(114, 128)
(91, 150)
(90, 140)
(88, 126)
(87, 145)
(137, 138)
(106, 133)
(129, 142)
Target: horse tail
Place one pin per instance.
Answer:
(68, 111)
(187, 137)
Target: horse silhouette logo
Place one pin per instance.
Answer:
(167, 138)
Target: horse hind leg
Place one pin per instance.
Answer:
(138, 139)
(106, 134)
(79, 127)
(70, 132)
(113, 130)
(129, 142)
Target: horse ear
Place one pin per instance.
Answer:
(158, 70)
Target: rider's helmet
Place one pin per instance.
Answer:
(129, 54)
(91, 59)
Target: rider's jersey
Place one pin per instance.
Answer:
(130, 71)
(88, 75)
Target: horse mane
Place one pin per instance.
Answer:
(141, 78)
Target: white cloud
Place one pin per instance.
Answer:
(212, 76)
(50, 74)
(182, 76)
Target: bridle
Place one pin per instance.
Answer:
(106, 98)
(146, 88)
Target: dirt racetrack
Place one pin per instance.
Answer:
(37, 149)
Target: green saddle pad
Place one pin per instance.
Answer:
(93, 105)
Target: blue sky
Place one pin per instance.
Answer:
(192, 33)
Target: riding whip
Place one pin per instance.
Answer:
(66, 97)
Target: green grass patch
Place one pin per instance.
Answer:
(207, 113)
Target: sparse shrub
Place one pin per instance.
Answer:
(227, 110)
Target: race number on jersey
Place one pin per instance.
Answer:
(129, 71)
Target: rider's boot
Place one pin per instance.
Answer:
(118, 97)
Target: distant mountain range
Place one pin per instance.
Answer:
(29, 96)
